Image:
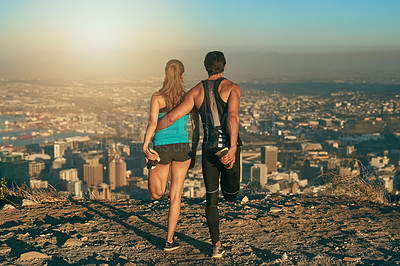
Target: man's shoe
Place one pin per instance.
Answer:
(169, 246)
(218, 252)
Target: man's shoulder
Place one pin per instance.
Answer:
(230, 85)
(196, 89)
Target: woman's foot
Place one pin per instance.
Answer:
(169, 246)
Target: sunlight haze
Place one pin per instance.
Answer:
(63, 39)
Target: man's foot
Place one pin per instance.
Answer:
(169, 246)
(218, 252)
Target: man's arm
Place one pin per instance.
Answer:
(195, 136)
(233, 124)
(182, 109)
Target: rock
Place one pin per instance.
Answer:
(4, 250)
(245, 200)
(133, 218)
(40, 240)
(84, 239)
(348, 259)
(275, 209)
(28, 202)
(196, 251)
(7, 207)
(73, 242)
(32, 255)
(24, 235)
(285, 256)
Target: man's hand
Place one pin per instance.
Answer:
(229, 158)
(192, 159)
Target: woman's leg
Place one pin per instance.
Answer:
(158, 178)
(178, 174)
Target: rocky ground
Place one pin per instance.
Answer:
(266, 229)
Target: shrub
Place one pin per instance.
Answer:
(16, 194)
(359, 184)
(4, 193)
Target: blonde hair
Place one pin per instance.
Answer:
(172, 89)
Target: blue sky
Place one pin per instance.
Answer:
(111, 30)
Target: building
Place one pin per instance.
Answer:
(136, 148)
(269, 157)
(104, 191)
(116, 170)
(193, 188)
(136, 161)
(39, 184)
(36, 168)
(14, 168)
(259, 174)
(69, 175)
(74, 188)
(93, 173)
(60, 147)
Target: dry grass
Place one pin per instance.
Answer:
(353, 184)
(251, 189)
(16, 194)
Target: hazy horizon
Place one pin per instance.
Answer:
(261, 39)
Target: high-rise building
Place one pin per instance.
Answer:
(259, 174)
(60, 147)
(35, 168)
(69, 175)
(269, 157)
(74, 188)
(14, 168)
(136, 161)
(116, 169)
(93, 173)
(136, 148)
(104, 192)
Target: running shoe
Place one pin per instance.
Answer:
(218, 252)
(169, 246)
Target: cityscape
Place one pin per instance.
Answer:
(84, 138)
(319, 124)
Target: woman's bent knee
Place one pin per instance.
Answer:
(156, 196)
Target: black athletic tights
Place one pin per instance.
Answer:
(213, 170)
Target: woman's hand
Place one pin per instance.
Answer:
(149, 155)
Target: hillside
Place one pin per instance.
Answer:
(268, 229)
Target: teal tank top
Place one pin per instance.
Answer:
(175, 133)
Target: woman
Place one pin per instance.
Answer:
(171, 146)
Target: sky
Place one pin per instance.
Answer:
(260, 38)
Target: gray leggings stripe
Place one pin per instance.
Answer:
(212, 191)
(231, 193)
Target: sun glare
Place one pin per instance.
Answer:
(99, 34)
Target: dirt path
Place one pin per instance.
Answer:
(269, 230)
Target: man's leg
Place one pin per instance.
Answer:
(211, 180)
(230, 179)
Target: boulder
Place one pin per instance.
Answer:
(32, 255)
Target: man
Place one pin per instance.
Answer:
(217, 101)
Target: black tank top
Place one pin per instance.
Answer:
(214, 116)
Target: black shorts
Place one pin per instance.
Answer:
(178, 152)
